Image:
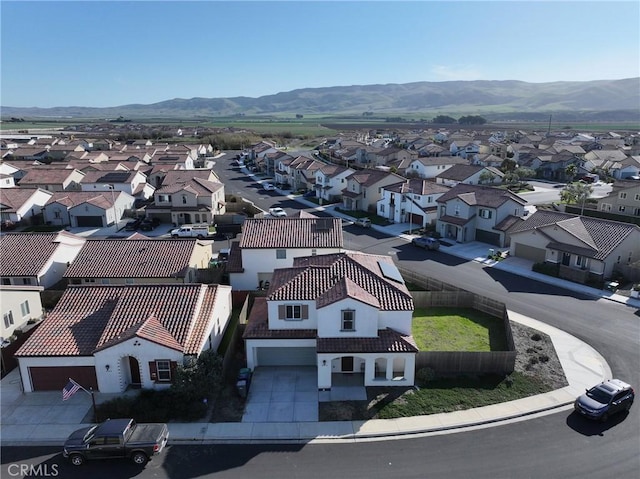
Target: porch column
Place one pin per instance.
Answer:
(389, 372)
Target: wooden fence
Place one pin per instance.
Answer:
(440, 294)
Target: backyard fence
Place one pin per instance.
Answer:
(441, 294)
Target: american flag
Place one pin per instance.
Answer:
(70, 389)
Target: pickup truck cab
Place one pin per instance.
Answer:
(199, 231)
(116, 438)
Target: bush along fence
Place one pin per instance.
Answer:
(440, 294)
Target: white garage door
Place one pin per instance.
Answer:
(286, 357)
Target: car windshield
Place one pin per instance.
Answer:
(599, 395)
(87, 437)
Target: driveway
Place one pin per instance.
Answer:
(282, 394)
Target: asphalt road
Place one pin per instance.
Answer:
(560, 445)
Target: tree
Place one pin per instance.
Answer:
(570, 171)
(471, 120)
(508, 165)
(576, 193)
(486, 177)
(444, 119)
(524, 173)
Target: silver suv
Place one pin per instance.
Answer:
(605, 399)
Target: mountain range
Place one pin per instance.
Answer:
(505, 99)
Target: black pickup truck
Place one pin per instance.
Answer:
(116, 438)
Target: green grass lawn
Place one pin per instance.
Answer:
(454, 329)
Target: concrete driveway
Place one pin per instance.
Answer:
(282, 394)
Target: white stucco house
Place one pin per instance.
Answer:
(111, 338)
(412, 201)
(18, 304)
(271, 243)
(432, 166)
(22, 204)
(344, 313)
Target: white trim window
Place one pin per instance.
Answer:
(348, 320)
(293, 312)
(24, 308)
(163, 369)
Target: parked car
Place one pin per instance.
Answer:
(116, 438)
(426, 242)
(149, 224)
(607, 398)
(133, 224)
(363, 222)
(199, 231)
(268, 186)
(277, 212)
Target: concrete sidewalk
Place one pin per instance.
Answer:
(44, 419)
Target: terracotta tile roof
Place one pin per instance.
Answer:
(417, 186)
(292, 232)
(460, 172)
(150, 258)
(13, 199)
(114, 176)
(195, 185)
(322, 278)
(89, 318)
(371, 177)
(75, 198)
(25, 254)
(387, 341)
(51, 176)
(234, 261)
(258, 326)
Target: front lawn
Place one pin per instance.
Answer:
(454, 329)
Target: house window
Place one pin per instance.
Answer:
(184, 199)
(281, 254)
(8, 319)
(381, 208)
(6, 281)
(621, 208)
(293, 312)
(348, 320)
(605, 207)
(26, 281)
(457, 210)
(129, 281)
(24, 307)
(105, 281)
(314, 252)
(163, 370)
(637, 198)
(57, 215)
(622, 195)
(484, 213)
(636, 212)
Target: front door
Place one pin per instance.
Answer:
(347, 364)
(134, 368)
(566, 259)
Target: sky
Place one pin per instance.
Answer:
(112, 53)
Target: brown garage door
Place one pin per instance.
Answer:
(55, 378)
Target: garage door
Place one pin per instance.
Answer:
(287, 357)
(536, 255)
(53, 379)
(489, 237)
(89, 221)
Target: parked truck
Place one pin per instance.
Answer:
(116, 438)
(199, 231)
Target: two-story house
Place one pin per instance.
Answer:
(624, 199)
(83, 209)
(188, 198)
(37, 259)
(270, 243)
(411, 201)
(343, 313)
(478, 213)
(330, 181)
(140, 261)
(364, 189)
(113, 337)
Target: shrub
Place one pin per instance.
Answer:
(536, 337)
(424, 375)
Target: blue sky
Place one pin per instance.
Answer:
(111, 53)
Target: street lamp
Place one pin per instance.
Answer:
(113, 202)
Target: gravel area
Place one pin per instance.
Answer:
(536, 356)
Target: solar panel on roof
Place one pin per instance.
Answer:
(390, 271)
(115, 177)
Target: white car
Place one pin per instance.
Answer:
(277, 212)
(268, 187)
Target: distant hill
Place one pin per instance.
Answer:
(506, 99)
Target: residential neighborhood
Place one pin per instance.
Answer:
(96, 288)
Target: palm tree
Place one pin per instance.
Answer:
(575, 193)
(570, 171)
